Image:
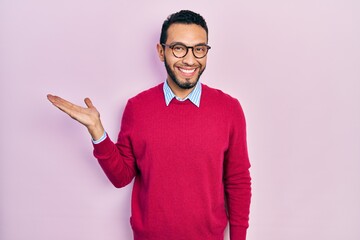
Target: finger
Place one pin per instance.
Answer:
(50, 97)
(64, 105)
(58, 101)
(88, 103)
(54, 99)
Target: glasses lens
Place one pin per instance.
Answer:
(179, 50)
(200, 51)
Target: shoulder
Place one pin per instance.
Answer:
(147, 96)
(149, 93)
(146, 102)
(218, 96)
(225, 104)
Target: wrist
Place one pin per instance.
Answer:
(96, 131)
(102, 138)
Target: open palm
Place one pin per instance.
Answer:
(88, 116)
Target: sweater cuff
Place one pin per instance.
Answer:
(237, 233)
(104, 148)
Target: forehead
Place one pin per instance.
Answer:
(189, 34)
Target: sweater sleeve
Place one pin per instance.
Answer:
(117, 160)
(237, 181)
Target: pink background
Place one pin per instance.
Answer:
(294, 65)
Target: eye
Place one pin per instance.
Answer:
(178, 48)
(200, 49)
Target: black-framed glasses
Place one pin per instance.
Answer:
(180, 50)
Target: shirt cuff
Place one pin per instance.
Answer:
(102, 138)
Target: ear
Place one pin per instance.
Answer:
(160, 51)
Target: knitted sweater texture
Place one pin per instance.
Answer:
(190, 165)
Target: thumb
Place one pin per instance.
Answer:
(88, 103)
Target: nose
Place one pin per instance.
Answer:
(189, 58)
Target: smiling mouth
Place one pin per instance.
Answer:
(187, 71)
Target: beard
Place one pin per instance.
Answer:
(184, 85)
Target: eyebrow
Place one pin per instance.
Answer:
(198, 44)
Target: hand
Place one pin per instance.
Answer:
(89, 117)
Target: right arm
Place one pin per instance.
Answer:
(116, 160)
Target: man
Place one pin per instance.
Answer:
(184, 142)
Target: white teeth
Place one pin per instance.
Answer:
(187, 70)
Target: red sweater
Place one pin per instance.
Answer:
(190, 165)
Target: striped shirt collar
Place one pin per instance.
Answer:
(194, 96)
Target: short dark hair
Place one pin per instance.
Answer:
(184, 17)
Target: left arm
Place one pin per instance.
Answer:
(237, 181)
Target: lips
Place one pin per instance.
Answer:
(188, 72)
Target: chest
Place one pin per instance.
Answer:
(184, 139)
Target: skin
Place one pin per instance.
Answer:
(87, 116)
(190, 35)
